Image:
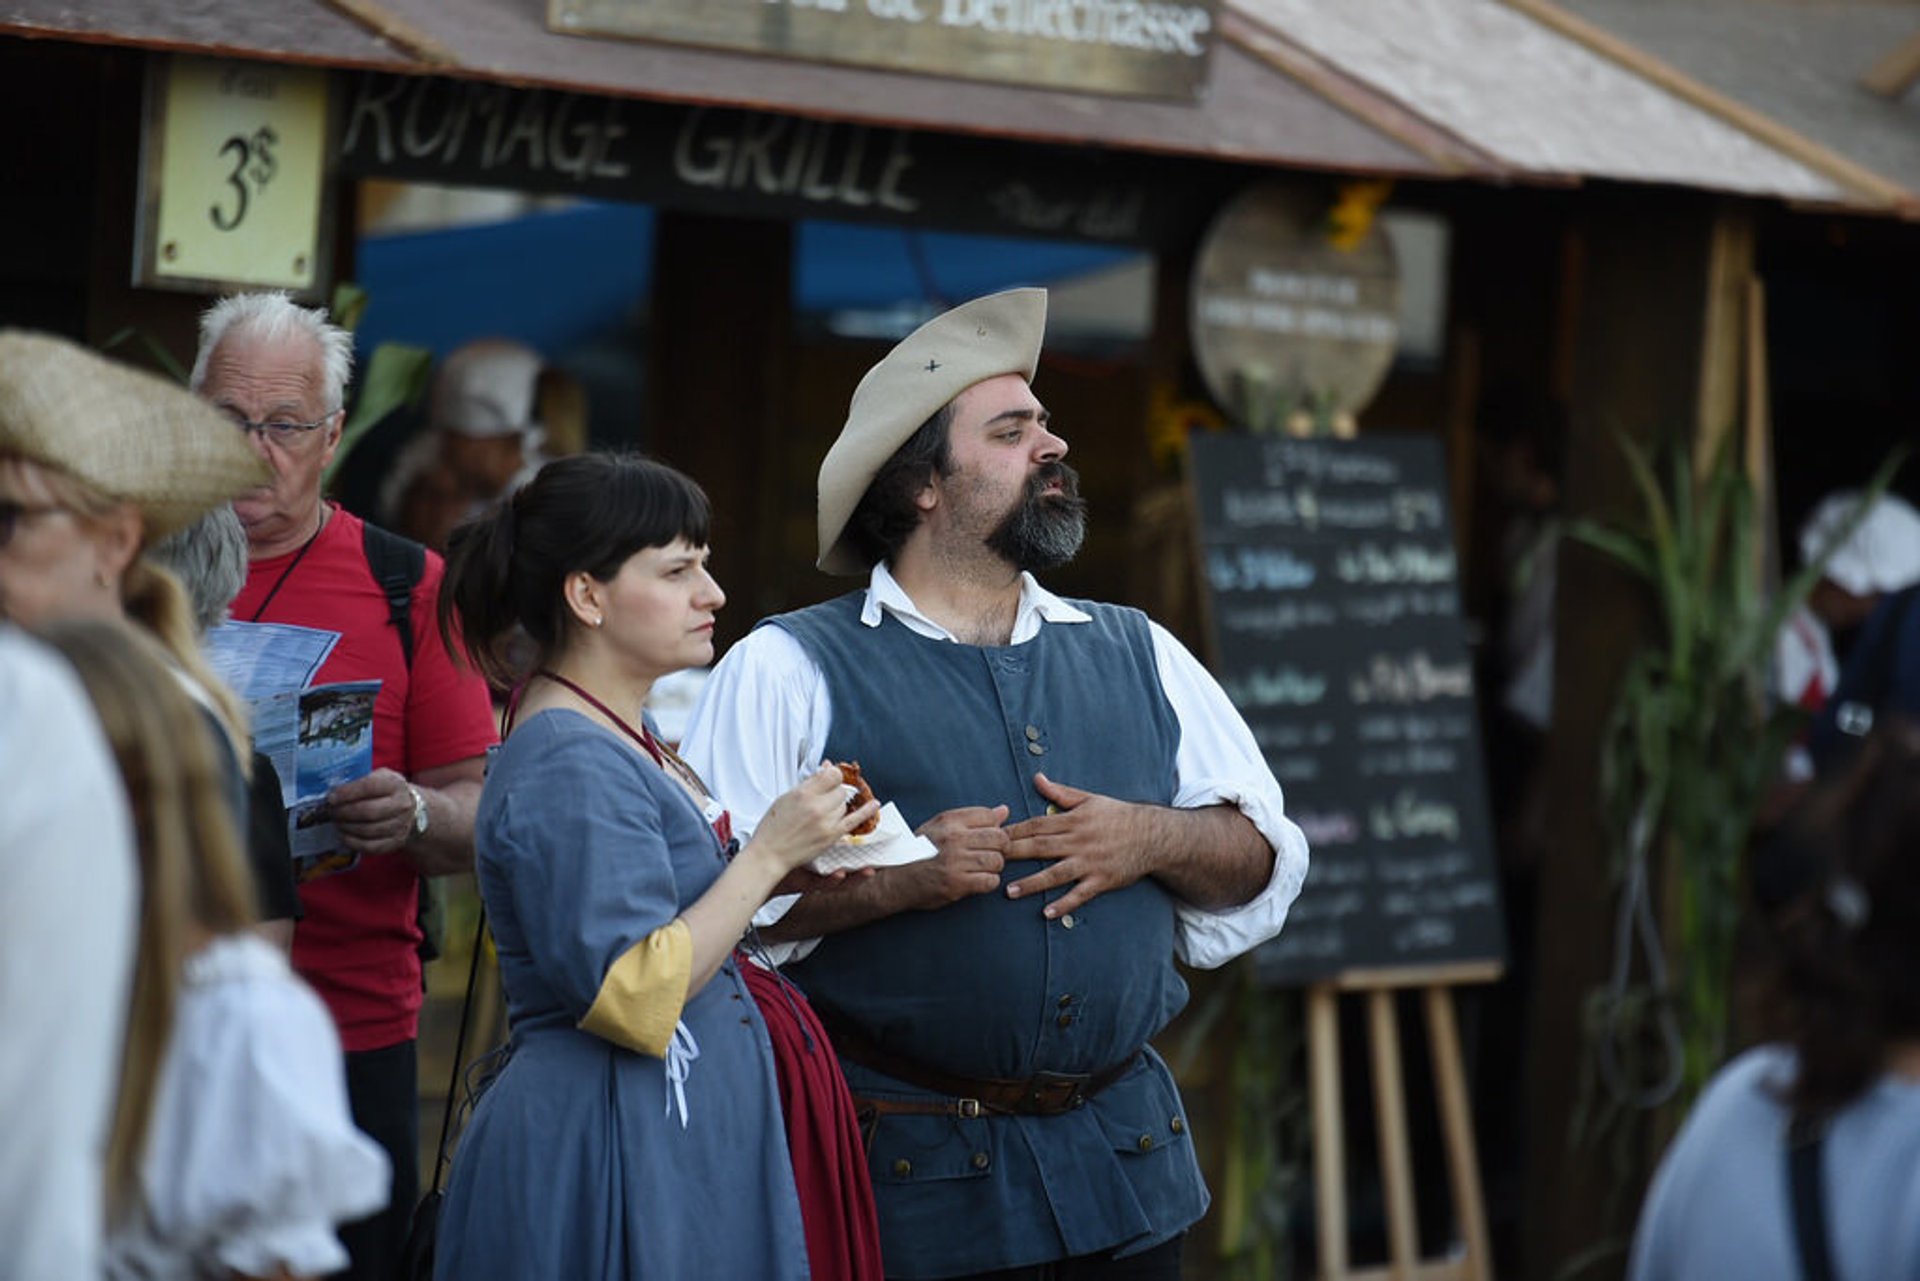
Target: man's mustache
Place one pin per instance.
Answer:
(1054, 473)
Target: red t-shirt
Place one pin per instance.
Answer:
(357, 943)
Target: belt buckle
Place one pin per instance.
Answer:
(1067, 1087)
(968, 1108)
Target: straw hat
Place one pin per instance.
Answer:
(998, 334)
(131, 435)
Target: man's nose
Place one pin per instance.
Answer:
(258, 440)
(1050, 448)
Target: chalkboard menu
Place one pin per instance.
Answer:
(1332, 594)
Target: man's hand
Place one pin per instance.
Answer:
(1094, 842)
(374, 815)
(972, 847)
(1212, 857)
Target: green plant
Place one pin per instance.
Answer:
(395, 374)
(1254, 1035)
(1691, 751)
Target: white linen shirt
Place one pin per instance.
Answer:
(68, 915)
(762, 721)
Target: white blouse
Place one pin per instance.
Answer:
(252, 1156)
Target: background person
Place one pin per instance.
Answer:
(1881, 555)
(992, 1006)
(485, 435)
(1841, 1013)
(277, 372)
(635, 1130)
(209, 557)
(99, 464)
(232, 1153)
(67, 925)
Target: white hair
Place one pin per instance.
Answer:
(209, 557)
(270, 316)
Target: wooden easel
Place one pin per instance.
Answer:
(1475, 1262)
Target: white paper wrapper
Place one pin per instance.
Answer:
(888, 845)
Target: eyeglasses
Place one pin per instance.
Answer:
(11, 512)
(279, 431)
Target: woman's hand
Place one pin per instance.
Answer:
(802, 823)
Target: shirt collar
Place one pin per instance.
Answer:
(1037, 606)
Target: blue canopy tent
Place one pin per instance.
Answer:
(556, 279)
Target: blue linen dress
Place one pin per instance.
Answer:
(576, 1164)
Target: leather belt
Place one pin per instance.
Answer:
(1042, 1094)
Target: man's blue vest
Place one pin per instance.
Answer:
(987, 987)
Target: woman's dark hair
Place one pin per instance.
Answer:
(1844, 876)
(587, 512)
(886, 513)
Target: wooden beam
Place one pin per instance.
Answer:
(1896, 71)
(398, 32)
(1329, 1156)
(1390, 1121)
(1730, 250)
(1859, 181)
(1451, 975)
(1446, 150)
(1456, 1127)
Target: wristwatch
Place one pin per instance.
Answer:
(419, 813)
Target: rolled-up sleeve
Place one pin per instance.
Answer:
(1219, 763)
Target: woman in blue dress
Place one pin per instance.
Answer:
(635, 1130)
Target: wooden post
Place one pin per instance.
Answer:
(1329, 1154)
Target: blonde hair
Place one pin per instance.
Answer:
(149, 593)
(193, 880)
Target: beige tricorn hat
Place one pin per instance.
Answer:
(998, 334)
(131, 435)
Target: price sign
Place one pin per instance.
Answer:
(233, 161)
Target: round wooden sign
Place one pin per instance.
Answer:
(1286, 319)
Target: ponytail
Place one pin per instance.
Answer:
(476, 609)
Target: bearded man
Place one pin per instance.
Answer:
(1098, 805)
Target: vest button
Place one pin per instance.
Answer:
(1067, 921)
(981, 1160)
(1146, 1143)
(1177, 1126)
(1033, 733)
(1065, 1020)
(1034, 749)
(1065, 1001)
(902, 1168)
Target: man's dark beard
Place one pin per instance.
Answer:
(1045, 530)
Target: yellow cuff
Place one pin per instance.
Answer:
(640, 1000)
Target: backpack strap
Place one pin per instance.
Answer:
(1805, 1138)
(398, 564)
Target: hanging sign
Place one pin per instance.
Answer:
(233, 161)
(1142, 48)
(758, 164)
(1295, 317)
